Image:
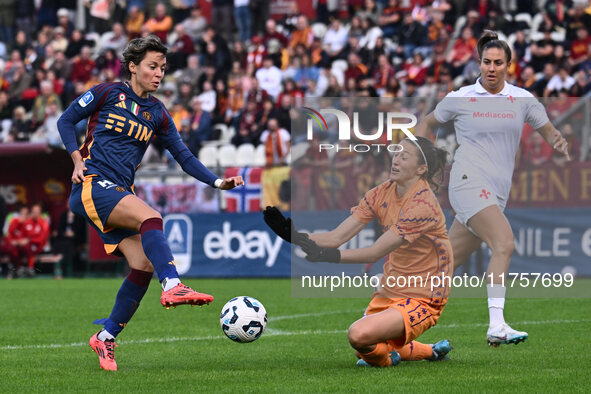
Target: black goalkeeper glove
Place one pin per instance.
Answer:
(283, 226)
(316, 254)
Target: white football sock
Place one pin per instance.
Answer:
(169, 283)
(496, 303)
(104, 334)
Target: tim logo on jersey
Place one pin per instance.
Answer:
(133, 129)
(388, 122)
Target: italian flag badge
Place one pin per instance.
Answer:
(135, 108)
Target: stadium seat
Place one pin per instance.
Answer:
(319, 29)
(537, 21)
(340, 64)
(227, 135)
(524, 17)
(227, 155)
(558, 36)
(460, 22)
(208, 155)
(369, 40)
(245, 155)
(259, 156)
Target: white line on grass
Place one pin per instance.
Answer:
(270, 332)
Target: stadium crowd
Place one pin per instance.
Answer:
(250, 79)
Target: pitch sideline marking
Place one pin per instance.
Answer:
(270, 332)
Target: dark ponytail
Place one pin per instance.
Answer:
(490, 39)
(436, 161)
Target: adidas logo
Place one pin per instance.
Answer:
(121, 104)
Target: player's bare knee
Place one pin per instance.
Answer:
(504, 247)
(358, 336)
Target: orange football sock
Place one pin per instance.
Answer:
(415, 351)
(379, 357)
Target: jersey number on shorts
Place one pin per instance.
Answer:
(106, 184)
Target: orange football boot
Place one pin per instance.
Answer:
(181, 294)
(105, 351)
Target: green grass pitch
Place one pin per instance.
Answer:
(45, 326)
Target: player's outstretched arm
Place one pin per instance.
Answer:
(426, 126)
(283, 226)
(554, 139)
(231, 183)
(388, 242)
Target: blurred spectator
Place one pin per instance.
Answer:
(134, 22)
(560, 81)
(306, 72)
(335, 39)
(48, 131)
(239, 54)
(99, 15)
(259, 12)
(540, 85)
(289, 21)
(536, 150)
(302, 34)
(221, 18)
(560, 59)
(383, 73)
(201, 126)
(286, 102)
(242, 19)
(369, 11)
(334, 88)
(63, 20)
(37, 230)
(556, 10)
(185, 94)
(20, 43)
(247, 131)
(70, 239)
(271, 33)
(277, 143)
(391, 19)
(520, 46)
(195, 25)
(208, 97)
(581, 86)
(579, 48)
(6, 20)
(114, 39)
(109, 61)
(182, 47)
(59, 42)
(192, 73)
(160, 24)
(16, 242)
(76, 43)
(82, 66)
(412, 36)
(23, 16)
(47, 97)
(181, 9)
(20, 81)
(221, 103)
(416, 71)
(179, 113)
(542, 51)
(235, 101)
(269, 77)
(356, 69)
(462, 52)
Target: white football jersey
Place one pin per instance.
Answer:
(488, 129)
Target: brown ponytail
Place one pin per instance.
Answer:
(436, 161)
(490, 39)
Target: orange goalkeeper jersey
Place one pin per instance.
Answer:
(419, 220)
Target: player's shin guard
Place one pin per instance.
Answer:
(157, 250)
(379, 357)
(128, 300)
(415, 351)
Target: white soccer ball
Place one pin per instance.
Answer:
(243, 319)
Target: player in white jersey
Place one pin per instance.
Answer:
(488, 117)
